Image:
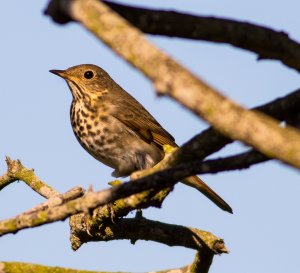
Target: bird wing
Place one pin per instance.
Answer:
(138, 119)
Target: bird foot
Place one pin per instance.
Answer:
(112, 215)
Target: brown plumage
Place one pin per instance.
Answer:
(116, 129)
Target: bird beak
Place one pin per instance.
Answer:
(60, 73)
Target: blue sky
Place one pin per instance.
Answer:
(34, 116)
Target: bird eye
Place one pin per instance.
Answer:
(88, 74)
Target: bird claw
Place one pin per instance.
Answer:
(112, 215)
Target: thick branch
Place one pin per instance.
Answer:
(267, 43)
(170, 78)
(155, 183)
(16, 171)
(105, 214)
(92, 229)
(17, 267)
(211, 141)
(202, 262)
(144, 229)
(91, 200)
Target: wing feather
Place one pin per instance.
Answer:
(137, 118)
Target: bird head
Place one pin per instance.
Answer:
(86, 81)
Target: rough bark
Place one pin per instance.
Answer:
(265, 42)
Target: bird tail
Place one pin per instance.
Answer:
(197, 183)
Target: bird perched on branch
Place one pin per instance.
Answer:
(115, 128)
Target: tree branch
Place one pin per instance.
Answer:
(197, 167)
(154, 183)
(91, 200)
(143, 229)
(16, 171)
(109, 213)
(16, 267)
(58, 200)
(133, 229)
(210, 141)
(170, 78)
(230, 163)
(202, 263)
(265, 42)
(85, 229)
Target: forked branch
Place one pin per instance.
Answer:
(86, 228)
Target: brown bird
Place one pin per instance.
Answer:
(116, 129)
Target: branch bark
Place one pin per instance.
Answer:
(109, 213)
(86, 228)
(231, 163)
(210, 140)
(16, 171)
(91, 200)
(202, 263)
(265, 42)
(154, 183)
(16, 267)
(58, 200)
(140, 228)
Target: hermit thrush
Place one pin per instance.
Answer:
(115, 128)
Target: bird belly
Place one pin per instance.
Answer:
(115, 145)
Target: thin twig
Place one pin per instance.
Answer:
(16, 171)
(58, 200)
